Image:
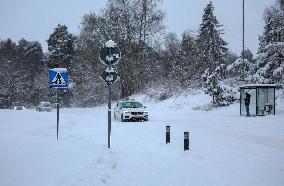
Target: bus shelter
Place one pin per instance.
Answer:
(262, 99)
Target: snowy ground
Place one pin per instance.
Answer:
(225, 149)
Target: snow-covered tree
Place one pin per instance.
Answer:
(212, 49)
(31, 56)
(60, 47)
(134, 25)
(241, 68)
(61, 52)
(248, 55)
(222, 94)
(11, 71)
(171, 57)
(270, 63)
(188, 55)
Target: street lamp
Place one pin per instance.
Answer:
(243, 56)
(242, 79)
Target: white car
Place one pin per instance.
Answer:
(18, 106)
(130, 110)
(44, 106)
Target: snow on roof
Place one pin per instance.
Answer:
(258, 85)
(43, 102)
(60, 70)
(110, 44)
(109, 70)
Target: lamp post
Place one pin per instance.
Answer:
(241, 81)
(243, 57)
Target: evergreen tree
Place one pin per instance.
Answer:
(60, 47)
(188, 58)
(61, 52)
(11, 75)
(242, 68)
(271, 48)
(212, 49)
(212, 56)
(222, 95)
(21, 71)
(248, 55)
(31, 56)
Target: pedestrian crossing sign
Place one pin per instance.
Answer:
(58, 78)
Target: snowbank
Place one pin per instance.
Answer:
(225, 149)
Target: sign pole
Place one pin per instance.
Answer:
(57, 99)
(109, 101)
(58, 78)
(109, 55)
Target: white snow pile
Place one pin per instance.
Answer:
(60, 70)
(224, 148)
(110, 44)
(238, 64)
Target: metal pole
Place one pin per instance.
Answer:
(243, 40)
(274, 101)
(109, 102)
(186, 141)
(168, 137)
(241, 92)
(57, 114)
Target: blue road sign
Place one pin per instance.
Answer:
(58, 78)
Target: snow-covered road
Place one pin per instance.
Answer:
(225, 149)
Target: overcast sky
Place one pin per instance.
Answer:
(36, 19)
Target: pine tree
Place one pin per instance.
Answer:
(270, 63)
(248, 55)
(242, 67)
(188, 55)
(60, 47)
(11, 74)
(212, 49)
(212, 55)
(222, 95)
(31, 56)
(61, 52)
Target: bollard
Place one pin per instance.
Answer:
(186, 141)
(168, 135)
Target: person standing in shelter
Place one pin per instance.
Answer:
(247, 102)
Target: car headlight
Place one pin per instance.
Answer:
(145, 111)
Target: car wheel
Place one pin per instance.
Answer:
(114, 115)
(122, 120)
(146, 119)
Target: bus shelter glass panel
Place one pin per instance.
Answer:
(252, 105)
(265, 99)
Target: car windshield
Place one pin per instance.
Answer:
(46, 104)
(131, 105)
